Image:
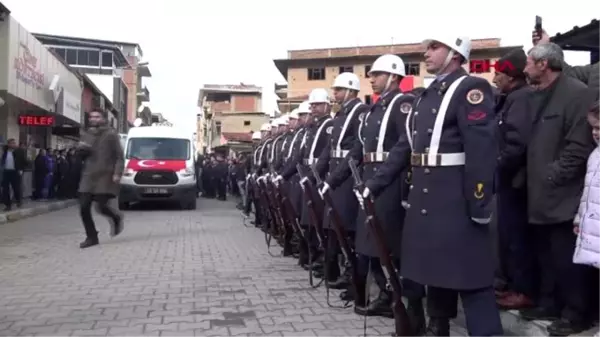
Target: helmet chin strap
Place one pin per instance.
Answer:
(446, 62)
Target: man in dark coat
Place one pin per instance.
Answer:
(560, 144)
(13, 162)
(101, 176)
(514, 110)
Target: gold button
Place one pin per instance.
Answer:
(429, 130)
(433, 111)
(416, 113)
(407, 205)
(425, 191)
(426, 171)
(424, 211)
(378, 122)
(414, 132)
(412, 186)
(374, 168)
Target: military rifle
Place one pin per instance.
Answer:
(290, 212)
(309, 193)
(401, 320)
(338, 227)
(271, 215)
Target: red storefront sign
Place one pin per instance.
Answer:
(36, 120)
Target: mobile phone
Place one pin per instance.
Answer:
(538, 24)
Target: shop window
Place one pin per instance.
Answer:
(367, 69)
(346, 69)
(218, 128)
(316, 74)
(246, 123)
(107, 59)
(71, 56)
(412, 69)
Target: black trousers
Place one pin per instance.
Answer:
(564, 286)
(85, 210)
(481, 311)
(11, 179)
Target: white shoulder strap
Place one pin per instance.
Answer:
(289, 154)
(346, 123)
(273, 148)
(438, 127)
(311, 154)
(384, 123)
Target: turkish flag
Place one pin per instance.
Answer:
(162, 165)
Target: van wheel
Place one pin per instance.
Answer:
(123, 205)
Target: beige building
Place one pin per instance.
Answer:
(228, 115)
(305, 70)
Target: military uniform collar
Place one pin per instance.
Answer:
(386, 98)
(444, 83)
(348, 105)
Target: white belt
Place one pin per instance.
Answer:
(339, 154)
(375, 157)
(441, 159)
(309, 161)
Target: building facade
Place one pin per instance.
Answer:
(305, 70)
(159, 119)
(40, 96)
(113, 66)
(229, 114)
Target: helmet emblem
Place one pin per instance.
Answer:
(394, 66)
(350, 82)
(458, 42)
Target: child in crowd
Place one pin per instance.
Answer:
(587, 220)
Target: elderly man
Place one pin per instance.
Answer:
(559, 146)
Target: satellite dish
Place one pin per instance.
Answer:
(138, 122)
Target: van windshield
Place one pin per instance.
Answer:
(158, 149)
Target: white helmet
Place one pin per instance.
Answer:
(460, 44)
(256, 135)
(304, 108)
(318, 95)
(388, 63)
(347, 81)
(275, 122)
(284, 120)
(294, 114)
(265, 127)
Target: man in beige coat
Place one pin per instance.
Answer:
(101, 150)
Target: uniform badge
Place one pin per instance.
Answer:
(478, 194)
(405, 107)
(329, 129)
(475, 96)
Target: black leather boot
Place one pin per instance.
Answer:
(381, 306)
(416, 315)
(89, 242)
(438, 327)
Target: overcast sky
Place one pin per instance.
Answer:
(190, 42)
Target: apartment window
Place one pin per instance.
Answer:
(218, 128)
(479, 66)
(94, 58)
(71, 56)
(316, 74)
(246, 123)
(346, 69)
(107, 59)
(412, 68)
(367, 69)
(368, 99)
(88, 58)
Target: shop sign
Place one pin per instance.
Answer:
(26, 67)
(36, 120)
(71, 107)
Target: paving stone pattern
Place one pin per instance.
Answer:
(171, 273)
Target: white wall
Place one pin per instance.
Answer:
(104, 82)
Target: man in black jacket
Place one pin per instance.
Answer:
(14, 162)
(559, 145)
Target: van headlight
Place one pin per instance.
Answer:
(129, 172)
(187, 172)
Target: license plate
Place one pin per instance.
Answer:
(156, 191)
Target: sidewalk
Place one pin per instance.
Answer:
(33, 208)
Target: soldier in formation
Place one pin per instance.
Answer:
(427, 160)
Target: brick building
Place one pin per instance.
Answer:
(229, 115)
(307, 69)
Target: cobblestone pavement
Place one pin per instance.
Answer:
(170, 273)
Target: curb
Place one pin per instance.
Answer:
(34, 211)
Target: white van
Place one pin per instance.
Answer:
(159, 165)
